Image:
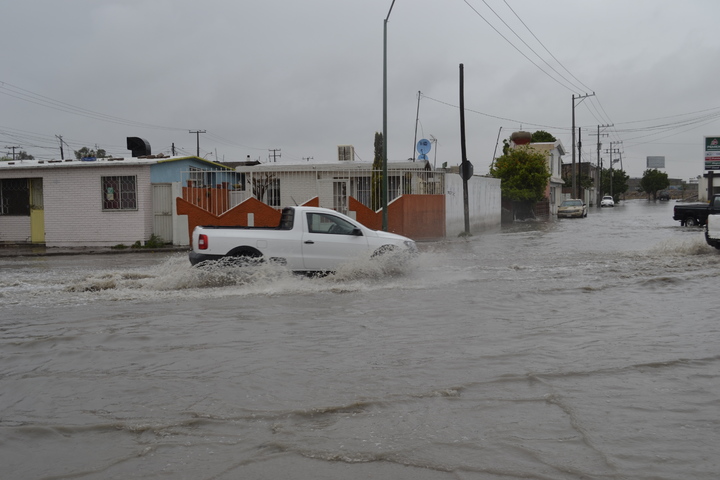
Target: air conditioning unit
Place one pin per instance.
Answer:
(346, 153)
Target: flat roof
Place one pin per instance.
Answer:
(331, 167)
(101, 162)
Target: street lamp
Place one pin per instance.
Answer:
(384, 189)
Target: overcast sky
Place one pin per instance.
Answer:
(306, 76)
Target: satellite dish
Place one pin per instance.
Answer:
(423, 146)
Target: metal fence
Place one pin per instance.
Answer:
(220, 190)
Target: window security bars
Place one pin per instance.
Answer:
(119, 192)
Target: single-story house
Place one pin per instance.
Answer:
(98, 201)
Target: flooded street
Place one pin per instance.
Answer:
(572, 349)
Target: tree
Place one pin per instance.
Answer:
(619, 182)
(585, 182)
(524, 174)
(85, 152)
(20, 155)
(261, 183)
(654, 180)
(542, 136)
(376, 179)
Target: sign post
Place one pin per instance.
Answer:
(712, 153)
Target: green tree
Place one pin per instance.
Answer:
(524, 174)
(619, 182)
(86, 152)
(20, 155)
(653, 181)
(376, 179)
(585, 182)
(542, 136)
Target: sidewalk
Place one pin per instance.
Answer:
(43, 251)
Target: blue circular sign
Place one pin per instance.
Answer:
(423, 146)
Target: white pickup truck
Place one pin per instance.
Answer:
(308, 239)
(712, 231)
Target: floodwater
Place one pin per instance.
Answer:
(572, 349)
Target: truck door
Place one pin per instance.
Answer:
(328, 241)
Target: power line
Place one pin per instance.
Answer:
(543, 45)
(520, 51)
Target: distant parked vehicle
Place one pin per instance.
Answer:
(663, 196)
(693, 214)
(607, 201)
(572, 208)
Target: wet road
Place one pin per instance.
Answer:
(579, 348)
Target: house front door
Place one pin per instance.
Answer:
(37, 211)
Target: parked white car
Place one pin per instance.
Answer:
(607, 201)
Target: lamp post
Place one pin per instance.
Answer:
(384, 189)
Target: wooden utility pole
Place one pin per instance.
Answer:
(598, 169)
(13, 150)
(62, 154)
(274, 153)
(198, 132)
(574, 191)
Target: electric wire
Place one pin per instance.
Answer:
(516, 48)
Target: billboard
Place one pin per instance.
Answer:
(655, 162)
(712, 153)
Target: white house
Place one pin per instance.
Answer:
(95, 202)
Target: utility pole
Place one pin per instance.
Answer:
(611, 150)
(579, 173)
(274, 153)
(62, 154)
(574, 190)
(173, 149)
(598, 169)
(417, 119)
(13, 149)
(198, 132)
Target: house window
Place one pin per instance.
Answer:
(14, 197)
(119, 192)
(199, 177)
(340, 196)
(273, 193)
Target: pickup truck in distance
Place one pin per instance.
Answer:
(308, 239)
(712, 226)
(693, 213)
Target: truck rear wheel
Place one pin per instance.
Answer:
(690, 221)
(244, 255)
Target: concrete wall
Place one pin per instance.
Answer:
(14, 229)
(484, 202)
